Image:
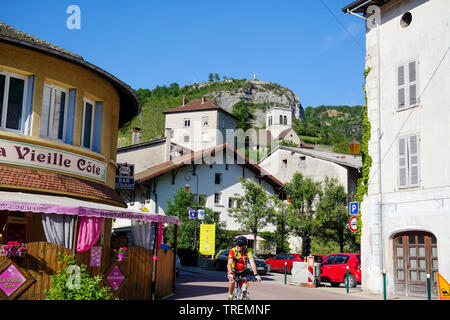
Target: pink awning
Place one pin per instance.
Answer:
(251, 237)
(38, 203)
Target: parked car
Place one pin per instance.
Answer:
(261, 266)
(277, 262)
(333, 269)
(318, 257)
(221, 261)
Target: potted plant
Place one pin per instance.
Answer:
(121, 254)
(14, 249)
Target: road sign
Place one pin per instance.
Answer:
(353, 223)
(192, 214)
(354, 208)
(125, 176)
(444, 288)
(201, 214)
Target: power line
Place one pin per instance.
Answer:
(342, 25)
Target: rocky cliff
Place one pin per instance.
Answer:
(258, 92)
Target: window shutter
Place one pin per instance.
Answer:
(402, 165)
(70, 116)
(29, 105)
(97, 126)
(401, 86)
(412, 83)
(45, 113)
(413, 154)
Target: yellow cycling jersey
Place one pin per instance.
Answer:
(240, 259)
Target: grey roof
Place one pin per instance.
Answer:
(346, 160)
(361, 5)
(130, 105)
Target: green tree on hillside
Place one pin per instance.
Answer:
(242, 110)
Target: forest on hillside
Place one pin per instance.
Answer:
(329, 127)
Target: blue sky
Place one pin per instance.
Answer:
(298, 44)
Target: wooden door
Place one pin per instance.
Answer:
(415, 256)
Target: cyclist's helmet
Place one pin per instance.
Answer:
(240, 241)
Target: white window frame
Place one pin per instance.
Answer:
(52, 110)
(407, 84)
(188, 138)
(8, 75)
(205, 120)
(187, 120)
(91, 146)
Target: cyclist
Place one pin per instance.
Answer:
(237, 263)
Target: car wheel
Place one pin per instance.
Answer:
(335, 284)
(351, 281)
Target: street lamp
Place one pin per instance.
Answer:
(186, 189)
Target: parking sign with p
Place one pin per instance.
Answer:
(354, 208)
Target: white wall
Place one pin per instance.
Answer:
(311, 167)
(206, 186)
(426, 207)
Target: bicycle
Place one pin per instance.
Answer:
(241, 286)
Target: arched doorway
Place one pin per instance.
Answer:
(415, 256)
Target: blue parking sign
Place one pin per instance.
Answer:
(192, 214)
(354, 208)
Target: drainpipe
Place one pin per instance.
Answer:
(380, 205)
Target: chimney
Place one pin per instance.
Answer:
(167, 147)
(184, 100)
(203, 99)
(136, 136)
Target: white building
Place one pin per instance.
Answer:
(406, 214)
(200, 124)
(217, 169)
(284, 162)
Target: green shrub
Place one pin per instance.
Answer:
(65, 286)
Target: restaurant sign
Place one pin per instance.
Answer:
(25, 154)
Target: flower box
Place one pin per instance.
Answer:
(12, 253)
(13, 249)
(121, 254)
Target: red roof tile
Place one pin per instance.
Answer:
(53, 183)
(197, 105)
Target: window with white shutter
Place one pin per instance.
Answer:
(407, 85)
(408, 157)
(413, 155)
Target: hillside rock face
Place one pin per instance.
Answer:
(262, 93)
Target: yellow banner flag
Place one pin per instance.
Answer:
(444, 288)
(207, 239)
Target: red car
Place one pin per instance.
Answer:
(277, 262)
(333, 269)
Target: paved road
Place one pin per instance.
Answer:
(200, 284)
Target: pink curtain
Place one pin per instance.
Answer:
(88, 233)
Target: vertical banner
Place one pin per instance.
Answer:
(207, 239)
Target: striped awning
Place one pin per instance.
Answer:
(38, 203)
